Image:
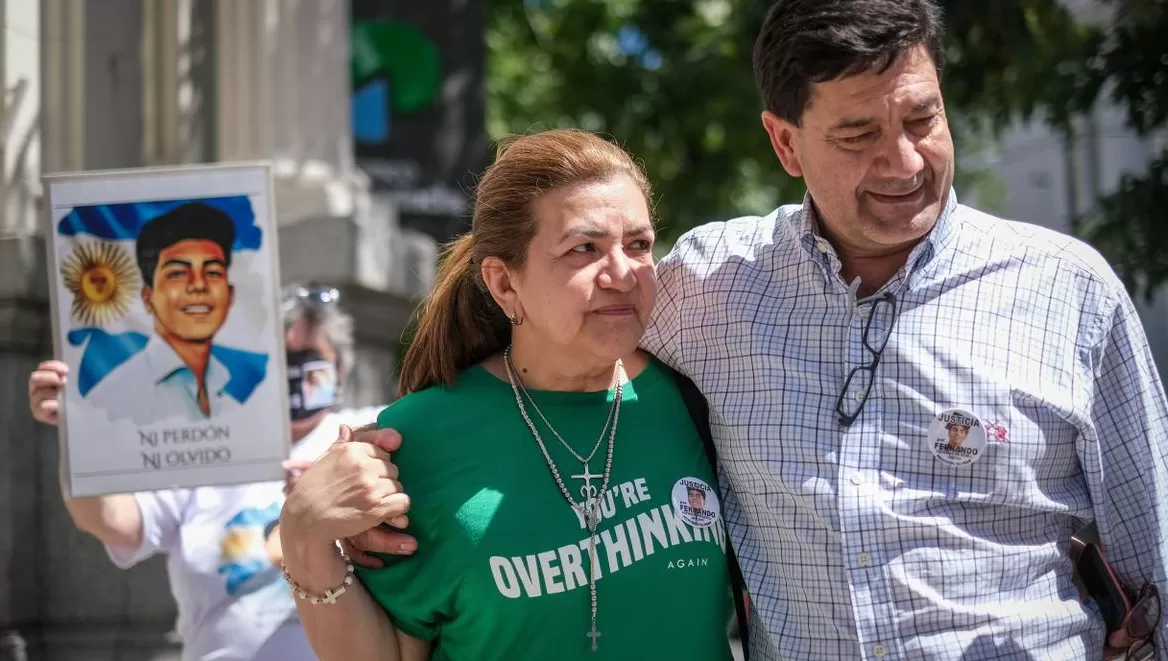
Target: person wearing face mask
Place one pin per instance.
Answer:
(223, 543)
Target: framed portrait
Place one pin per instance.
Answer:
(165, 295)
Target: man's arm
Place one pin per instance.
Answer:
(113, 519)
(1124, 451)
(663, 336)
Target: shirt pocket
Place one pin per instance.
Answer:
(1029, 462)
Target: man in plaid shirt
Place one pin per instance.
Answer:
(838, 341)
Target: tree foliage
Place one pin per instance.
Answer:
(672, 82)
(669, 80)
(1130, 66)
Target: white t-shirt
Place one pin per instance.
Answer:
(233, 603)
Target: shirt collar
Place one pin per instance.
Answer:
(939, 237)
(806, 228)
(164, 364)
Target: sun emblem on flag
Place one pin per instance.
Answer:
(102, 279)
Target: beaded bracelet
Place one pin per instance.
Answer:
(330, 596)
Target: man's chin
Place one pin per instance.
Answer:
(905, 228)
(198, 337)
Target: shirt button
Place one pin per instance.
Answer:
(860, 394)
(880, 650)
(865, 560)
(862, 312)
(857, 479)
(824, 246)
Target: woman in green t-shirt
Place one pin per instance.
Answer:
(559, 491)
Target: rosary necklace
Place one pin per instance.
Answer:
(589, 506)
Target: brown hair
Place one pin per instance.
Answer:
(459, 323)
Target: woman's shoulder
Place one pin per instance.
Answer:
(441, 410)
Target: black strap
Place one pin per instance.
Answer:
(699, 411)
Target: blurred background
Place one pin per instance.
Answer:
(378, 114)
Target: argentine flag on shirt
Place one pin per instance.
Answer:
(108, 321)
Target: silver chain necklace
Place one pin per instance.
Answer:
(589, 507)
(599, 439)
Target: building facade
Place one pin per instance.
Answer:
(97, 84)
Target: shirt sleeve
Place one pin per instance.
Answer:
(1124, 453)
(663, 337)
(418, 591)
(163, 514)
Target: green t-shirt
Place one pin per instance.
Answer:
(501, 566)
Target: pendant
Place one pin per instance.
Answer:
(587, 492)
(593, 634)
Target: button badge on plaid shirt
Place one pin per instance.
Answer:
(957, 437)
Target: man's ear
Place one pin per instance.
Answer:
(783, 135)
(146, 294)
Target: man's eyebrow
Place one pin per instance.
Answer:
(931, 103)
(848, 123)
(174, 261)
(853, 123)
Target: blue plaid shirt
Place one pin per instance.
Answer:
(858, 542)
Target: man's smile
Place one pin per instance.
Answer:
(196, 310)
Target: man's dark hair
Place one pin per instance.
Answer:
(193, 220)
(815, 41)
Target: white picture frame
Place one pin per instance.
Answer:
(175, 349)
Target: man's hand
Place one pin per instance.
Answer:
(381, 539)
(43, 386)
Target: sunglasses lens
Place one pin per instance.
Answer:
(1145, 614)
(1142, 651)
(314, 294)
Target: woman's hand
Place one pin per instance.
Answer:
(349, 490)
(43, 386)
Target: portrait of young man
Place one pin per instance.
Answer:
(184, 257)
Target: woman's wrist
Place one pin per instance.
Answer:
(313, 565)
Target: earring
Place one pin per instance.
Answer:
(515, 319)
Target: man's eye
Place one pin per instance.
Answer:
(584, 248)
(857, 139)
(641, 245)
